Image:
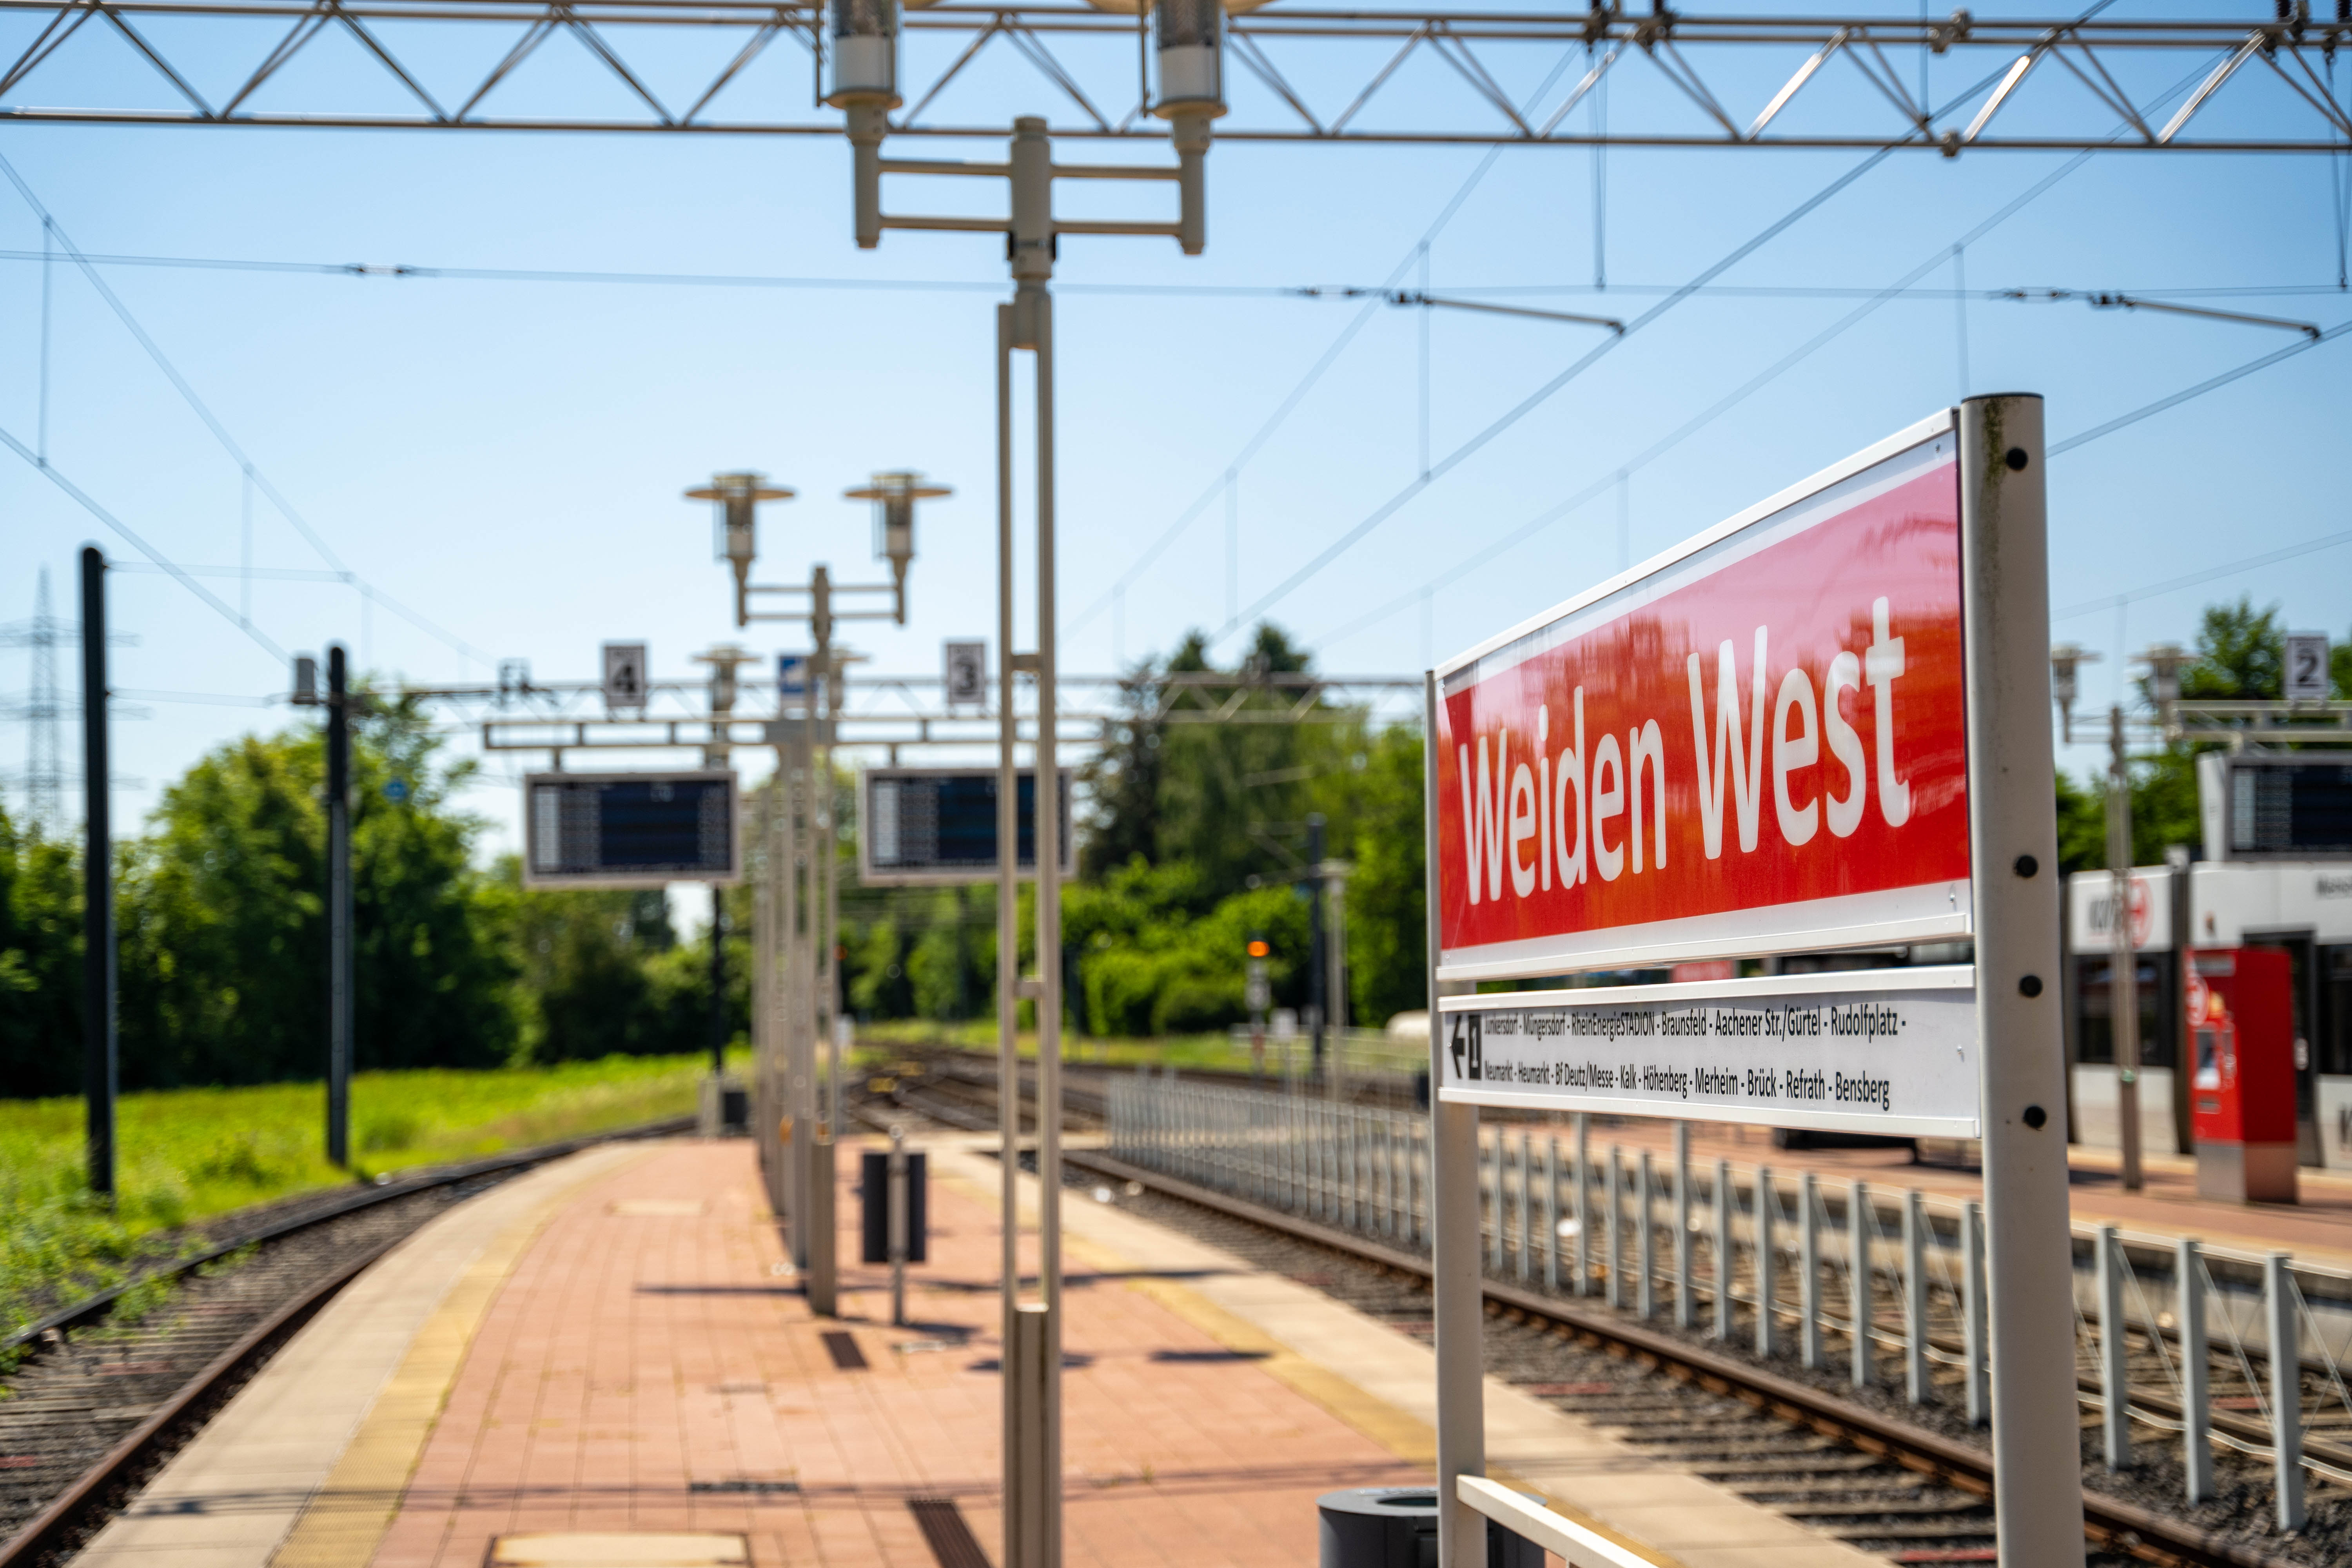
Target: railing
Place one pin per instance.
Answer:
(1796, 1265)
(1360, 1058)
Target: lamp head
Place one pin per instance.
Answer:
(2164, 661)
(893, 495)
(738, 495)
(2063, 660)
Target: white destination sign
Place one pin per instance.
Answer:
(1889, 1050)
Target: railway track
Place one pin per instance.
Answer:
(105, 1394)
(1893, 1487)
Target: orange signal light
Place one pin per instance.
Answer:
(1259, 950)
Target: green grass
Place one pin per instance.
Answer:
(189, 1155)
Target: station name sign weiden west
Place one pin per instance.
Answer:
(1887, 1050)
(1757, 744)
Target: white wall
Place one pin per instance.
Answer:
(2097, 1124)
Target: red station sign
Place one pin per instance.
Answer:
(1755, 744)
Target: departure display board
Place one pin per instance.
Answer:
(2290, 807)
(939, 825)
(630, 830)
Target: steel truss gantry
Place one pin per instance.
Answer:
(2055, 84)
(887, 712)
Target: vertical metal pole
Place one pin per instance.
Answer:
(1523, 1263)
(1645, 1241)
(2286, 1388)
(339, 910)
(1914, 1298)
(1049, 929)
(1017, 1329)
(897, 1217)
(824, 1279)
(800, 1044)
(98, 956)
(1457, 1296)
(1317, 969)
(718, 1029)
(1682, 1225)
(1723, 1249)
(2114, 1392)
(1859, 1225)
(1494, 1207)
(1613, 1211)
(1766, 1257)
(2012, 852)
(2123, 977)
(1551, 1214)
(2196, 1370)
(1809, 1274)
(1583, 1192)
(1972, 1307)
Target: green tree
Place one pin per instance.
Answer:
(222, 921)
(2241, 654)
(40, 963)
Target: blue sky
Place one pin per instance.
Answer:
(506, 457)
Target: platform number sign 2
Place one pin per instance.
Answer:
(2307, 667)
(1469, 1063)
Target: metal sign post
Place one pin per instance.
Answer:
(339, 910)
(2014, 854)
(1822, 723)
(97, 954)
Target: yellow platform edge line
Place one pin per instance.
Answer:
(346, 1520)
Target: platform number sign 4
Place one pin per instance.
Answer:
(1469, 1062)
(625, 675)
(2307, 667)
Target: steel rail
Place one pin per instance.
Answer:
(90, 1308)
(39, 1533)
(2111, 1522)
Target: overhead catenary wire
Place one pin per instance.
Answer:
(1617, 476)
(53, 229)
(161, 562)
(1543, 394)
(1722, 405)
(1310, 292)
(2209, 573)
(1417, 253)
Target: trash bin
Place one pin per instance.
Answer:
(874, 1209)
(1396, 1527)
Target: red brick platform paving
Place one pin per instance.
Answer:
(653, 1372)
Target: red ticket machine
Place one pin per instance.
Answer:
(2239, 1005)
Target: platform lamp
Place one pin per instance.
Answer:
(1191, 93)
(2065, 658)
(864, 88)
(737, 495)
(2165, 661)
(894, 494)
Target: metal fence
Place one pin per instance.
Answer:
(1886, 1285)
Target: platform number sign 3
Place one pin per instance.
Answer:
(1468, 1061)
(2307, 667)
(966, 674)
